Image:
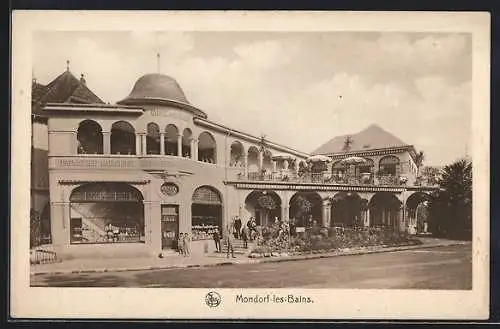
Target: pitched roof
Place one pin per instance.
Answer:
(66, 88)
(373, 137)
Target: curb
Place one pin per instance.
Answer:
(251, 260)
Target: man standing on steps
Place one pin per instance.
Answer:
(228, 240)
(245, 235)
(237, 227)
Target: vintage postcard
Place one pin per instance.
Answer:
(250, 165)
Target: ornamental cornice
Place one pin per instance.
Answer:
(386, 151)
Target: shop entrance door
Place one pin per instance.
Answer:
(169, 226)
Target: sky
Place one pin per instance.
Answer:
(299, 89)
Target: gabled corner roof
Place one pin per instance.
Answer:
(66, 88)
(371, 138)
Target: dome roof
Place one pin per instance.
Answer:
(158, 86)
(159, 89)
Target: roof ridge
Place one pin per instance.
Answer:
(371, 137)
(63, 88)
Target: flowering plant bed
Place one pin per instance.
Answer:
(330, 240)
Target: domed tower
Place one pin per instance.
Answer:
(160, 89)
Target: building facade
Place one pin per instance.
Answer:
(130, 177)
(67, 89)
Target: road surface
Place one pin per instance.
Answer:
(431, 268)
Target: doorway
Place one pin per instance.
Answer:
(169, 226)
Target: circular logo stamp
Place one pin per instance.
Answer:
(169, 189)
(213, 299)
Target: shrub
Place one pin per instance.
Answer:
(334, 238)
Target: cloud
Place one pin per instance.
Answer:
(298, 89)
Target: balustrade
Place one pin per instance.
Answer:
(321, 178)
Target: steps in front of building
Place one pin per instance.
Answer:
(238, 246)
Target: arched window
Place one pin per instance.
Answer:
(153, 139)
(338, 169)
(264, 207)
(171, 140)
(366, 167)
(385, 210)
(388, 165)
(207, 148)
(89, 138)
(237, 155)
(187, 136)
(122, 138)
(253, 159)
(106, 213)
(206, 212)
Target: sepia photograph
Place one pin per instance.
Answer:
(276, 163)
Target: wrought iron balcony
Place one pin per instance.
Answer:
(323, 178)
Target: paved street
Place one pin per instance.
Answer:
(431, 268)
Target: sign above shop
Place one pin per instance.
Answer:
(173, 114)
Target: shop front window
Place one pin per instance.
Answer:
(106, 213)
(206, 213)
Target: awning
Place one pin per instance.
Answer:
(319, 158)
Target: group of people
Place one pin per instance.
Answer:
(235, 231)
(227, 237)
(183, 244)
(246, 233)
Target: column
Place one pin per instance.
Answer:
(147, 221)
(153, 211)
(326, 214)
(194, 149)
(261, 160)
(284, 212)
(144, 145)
(245, 165)
(285, 164)
(179, 145)
(162, 143)
(57, 226)
(138, 139)
(274, 166)
(296, 166)
(402, 226)
(367, 217)
(106, 142)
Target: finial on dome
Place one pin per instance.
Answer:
(67, 65)
(158, 62)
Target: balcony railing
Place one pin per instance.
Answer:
(323, 178)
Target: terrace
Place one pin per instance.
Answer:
(328, 178)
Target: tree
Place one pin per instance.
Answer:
(451, 211)
(302, 208)
(347, 143)
(430, 174)
(262, 144)
(419, 160)
(304, 169)
(35, 229)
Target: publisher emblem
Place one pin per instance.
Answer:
(213, 299)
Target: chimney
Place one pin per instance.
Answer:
(82, 79)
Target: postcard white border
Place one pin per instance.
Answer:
(27, 302)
